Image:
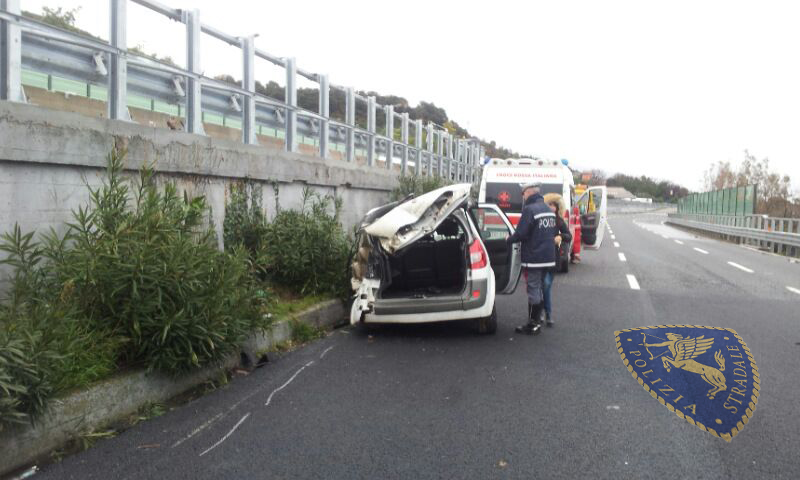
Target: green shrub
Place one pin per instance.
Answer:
(245, 223)
(46, 346)
(147, 266)
(307, 250)
(136, 280)
(414, 184)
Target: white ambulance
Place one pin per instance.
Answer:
(501, 182)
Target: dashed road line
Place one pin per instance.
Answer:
(665, 237)
(219, 442)
(613, 237)
(616, 244)
(740, 267)
(793, 290)
(678, 242)
(633, 283)
(701, 251)
(622, 257)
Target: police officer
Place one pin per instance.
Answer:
(536, 230)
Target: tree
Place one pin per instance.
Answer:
(647, 187)
(227, 79)
(65, 19)
(773, 189)
(429, 112)
(596, 177)
(61, 18)
(271, 89)
(139, 50)
(720, 175)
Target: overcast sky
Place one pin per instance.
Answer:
(640, 87)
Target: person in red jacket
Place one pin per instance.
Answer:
(575, 226)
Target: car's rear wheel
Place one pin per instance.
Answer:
(488, 325)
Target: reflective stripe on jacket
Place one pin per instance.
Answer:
(536, 230)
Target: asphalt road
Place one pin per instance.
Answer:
(438, 401)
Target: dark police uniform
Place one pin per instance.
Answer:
(536, 230)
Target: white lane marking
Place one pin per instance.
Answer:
(616, 244)
(613, 237)
(701, 251)
(678, 242)
(198, 430)
(622, 257)
(287, 382)
(212, 447)
(236, 405)
(632, 282)
(740, 267)
(326, 351)
(793, 290)
(665, 237)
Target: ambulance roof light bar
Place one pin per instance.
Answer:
(517, 162)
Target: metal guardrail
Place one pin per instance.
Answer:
(30, 46)
(621, 207)
(780, 235)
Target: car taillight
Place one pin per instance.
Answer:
(477, 256)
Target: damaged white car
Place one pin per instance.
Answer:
(434, 258)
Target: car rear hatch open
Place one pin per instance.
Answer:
(390, 231)
(408, 221)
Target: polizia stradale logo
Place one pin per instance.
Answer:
(705, 375)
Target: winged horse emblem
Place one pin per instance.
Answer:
(684, 351)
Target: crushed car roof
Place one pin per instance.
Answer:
(410, 220)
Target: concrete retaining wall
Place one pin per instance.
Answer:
(120, 396)
(47, 157)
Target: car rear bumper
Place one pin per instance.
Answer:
(480, 309)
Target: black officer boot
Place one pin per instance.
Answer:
(537, 315)
(534, 326)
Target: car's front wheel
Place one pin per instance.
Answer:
(488, 325)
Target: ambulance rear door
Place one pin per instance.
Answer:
(592, 205)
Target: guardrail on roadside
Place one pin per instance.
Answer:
(780, 235)
(621, 207)
(111, 70)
